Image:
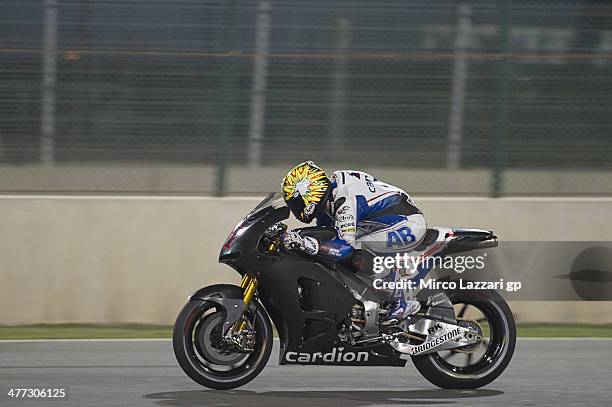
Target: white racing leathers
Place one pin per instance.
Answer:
(369, 214)
(372, 215)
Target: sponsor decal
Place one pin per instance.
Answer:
(336, 355)
(338, 204)
(345, 218)
(434, 329)
(343, 210)
(334, 252)
(310, 208)
(435, 342)
(370, 185)
(436, 299)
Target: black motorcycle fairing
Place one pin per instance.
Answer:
(320, 233)
(477, 234)
(307, 303)
(309, 300)
(240, 248)
(465, 240)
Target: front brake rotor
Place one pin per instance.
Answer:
(210, 344)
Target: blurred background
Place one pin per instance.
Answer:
(156, 96)
(494, 114)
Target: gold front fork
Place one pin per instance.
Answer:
(245, 280)
(249, 286)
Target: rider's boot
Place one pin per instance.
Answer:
(401, 310)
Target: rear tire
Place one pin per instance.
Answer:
(196, 328)
(497, 355)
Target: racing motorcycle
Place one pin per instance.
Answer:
(328, 313)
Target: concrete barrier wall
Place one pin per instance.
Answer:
(135, 259)
(194, 179)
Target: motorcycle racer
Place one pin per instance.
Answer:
(366, 212)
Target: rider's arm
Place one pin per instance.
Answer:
(345, 216)
(336, 249)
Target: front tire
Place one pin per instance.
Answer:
(197, 327)
(496, 354)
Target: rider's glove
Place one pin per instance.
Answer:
(293, 241)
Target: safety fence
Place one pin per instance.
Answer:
(496, 98)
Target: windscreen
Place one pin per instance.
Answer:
(272, 199)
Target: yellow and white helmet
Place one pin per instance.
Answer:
(306, 188)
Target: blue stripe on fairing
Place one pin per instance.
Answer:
(364, 210)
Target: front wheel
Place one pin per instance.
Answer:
(476, 365)
(197, 346)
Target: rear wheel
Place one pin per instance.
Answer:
(477, 365)
(204, 357)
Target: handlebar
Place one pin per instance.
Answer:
(271, 238)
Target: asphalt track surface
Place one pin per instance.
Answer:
(144, 373)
